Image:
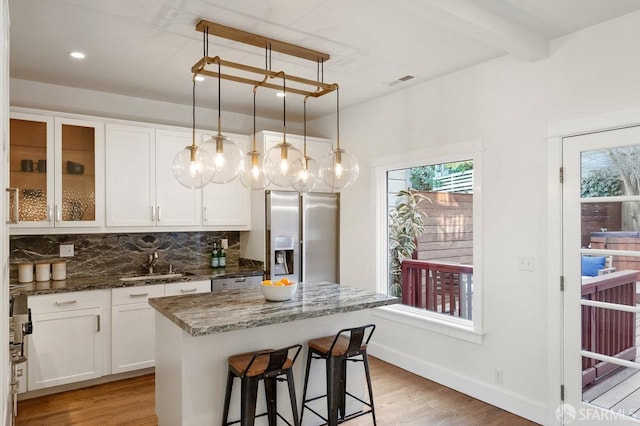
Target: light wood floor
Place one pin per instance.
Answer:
(401, 398)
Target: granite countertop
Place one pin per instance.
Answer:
(209, 313)
(107, 282)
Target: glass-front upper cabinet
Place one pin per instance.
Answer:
(57, 169)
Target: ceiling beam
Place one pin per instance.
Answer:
(471, 20)
(260, 41)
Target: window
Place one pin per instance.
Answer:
(428, 254)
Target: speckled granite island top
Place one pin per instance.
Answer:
(208, 313)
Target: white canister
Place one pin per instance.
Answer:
(43, 271)
(25, 272)
(59, 270)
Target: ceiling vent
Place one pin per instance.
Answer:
(400, 80)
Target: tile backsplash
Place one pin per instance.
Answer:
(117, 254)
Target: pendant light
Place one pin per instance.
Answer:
(339, 168)
(227, 156)
(252, 173)
(282, 161)
(193, 166)
(308, 170)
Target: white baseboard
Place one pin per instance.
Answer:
(501, 398)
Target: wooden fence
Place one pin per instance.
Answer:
(607, 331)
(438, 287)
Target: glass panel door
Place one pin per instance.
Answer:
(601, 272)
(31, 145)
(79, 171)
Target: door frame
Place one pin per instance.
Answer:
(556, 131)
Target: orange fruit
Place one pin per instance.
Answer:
(279, 284)
(285, 281)
(267, 282)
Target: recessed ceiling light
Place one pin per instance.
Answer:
(77, 55)
(199, 78)
(281, 94)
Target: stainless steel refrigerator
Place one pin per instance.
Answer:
(299, 235)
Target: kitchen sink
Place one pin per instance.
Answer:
(146, 277)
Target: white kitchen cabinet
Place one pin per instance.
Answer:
(70, 334)
(176, 204)
(130, 184)
(133, 322)
(228, 205)
(57, 165)
(317, 148)
(141, 188)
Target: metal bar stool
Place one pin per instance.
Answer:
(250, 368)
(336, 351)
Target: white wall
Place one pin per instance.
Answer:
(30, 94)
(507, 103)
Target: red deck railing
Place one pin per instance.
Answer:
(607, 331)
(438, 287)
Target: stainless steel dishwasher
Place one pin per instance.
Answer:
(252, 281)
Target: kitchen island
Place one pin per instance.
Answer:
(196, 333)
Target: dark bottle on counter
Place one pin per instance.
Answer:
(222, 257)
(215, 256)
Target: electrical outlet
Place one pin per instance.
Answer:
(525, 263)
(499, 376)
(225, 243)
(66, 250)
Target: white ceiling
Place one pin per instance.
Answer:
(145, 48)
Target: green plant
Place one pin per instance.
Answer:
(406, 224)
(601, 183)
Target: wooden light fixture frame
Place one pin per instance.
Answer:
(315, 88)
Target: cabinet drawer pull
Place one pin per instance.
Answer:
(58, 214)
(139, 294)
(16, 207)
(158, 213)
(66, 302)
(188, 290)
(241, 280)
(49, 213)
(153, 214)
(98, 317)
(206, 215)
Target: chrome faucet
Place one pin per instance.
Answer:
(152, 261)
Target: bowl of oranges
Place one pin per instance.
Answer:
(278, 291)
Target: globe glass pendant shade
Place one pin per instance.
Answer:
(227, 158)
(309, 175)
(282, 164)
(339, 169)
(252, 174)
(193, 167)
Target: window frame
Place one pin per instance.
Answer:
(468, 330)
